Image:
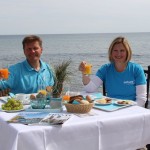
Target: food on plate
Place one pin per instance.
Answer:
(124, 102)
(12, 104)
(88, 98)
(104, 101)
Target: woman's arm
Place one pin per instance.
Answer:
(91, 83)
(141, 95)
(94, 84)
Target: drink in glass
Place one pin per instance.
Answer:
(66, 97)
(88, 69)
(4, 73)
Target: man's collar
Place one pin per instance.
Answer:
(30, 68)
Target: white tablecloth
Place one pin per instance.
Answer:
(124, 129)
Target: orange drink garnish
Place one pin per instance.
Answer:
(4, 73)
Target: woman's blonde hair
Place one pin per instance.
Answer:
(125, 44)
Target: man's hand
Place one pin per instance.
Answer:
(4, 92)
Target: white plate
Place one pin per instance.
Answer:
(96, 102)
(130, 102)
(4, 98)
(12, 111)
(24, 102)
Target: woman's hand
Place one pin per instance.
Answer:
(82, 66)
(85, 79)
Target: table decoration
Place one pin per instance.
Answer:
(61, 74)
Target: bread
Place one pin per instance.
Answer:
(84, 102)
(88, 98)
(32, 97)
(77, 97)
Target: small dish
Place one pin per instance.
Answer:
(12, 111)
(38, 103)
(4, 98)
(103, 101)
(124, 102)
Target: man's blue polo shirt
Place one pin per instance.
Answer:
(25, 79)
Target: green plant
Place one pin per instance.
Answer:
(61, 74)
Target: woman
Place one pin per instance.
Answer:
(123, 79)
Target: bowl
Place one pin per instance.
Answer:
(78, 108)
(38, 103)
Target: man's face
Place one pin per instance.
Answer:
(33, 51)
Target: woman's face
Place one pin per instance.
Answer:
(119, 53)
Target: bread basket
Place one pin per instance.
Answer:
(78, 108)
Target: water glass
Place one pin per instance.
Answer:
(56, 103)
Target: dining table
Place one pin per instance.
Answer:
(123, 129)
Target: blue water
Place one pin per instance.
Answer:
(77, 47)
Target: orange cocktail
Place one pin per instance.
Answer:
(88, 69)
(4, 73)
(66, 97)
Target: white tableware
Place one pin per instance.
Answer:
(12, 111)
(103, 101)
(98, 103)
(124, 102)
(56, 103)
(24, 98)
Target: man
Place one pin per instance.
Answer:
(27, 76)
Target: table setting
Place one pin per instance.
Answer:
(103, 124)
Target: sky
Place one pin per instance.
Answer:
(73, 16)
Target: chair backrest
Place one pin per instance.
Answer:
(147, 74)
(104, 90)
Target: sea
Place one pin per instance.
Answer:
(92, 48)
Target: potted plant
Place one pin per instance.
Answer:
(61, 74)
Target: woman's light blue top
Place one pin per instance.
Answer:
(122, 84)
(25, 79)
